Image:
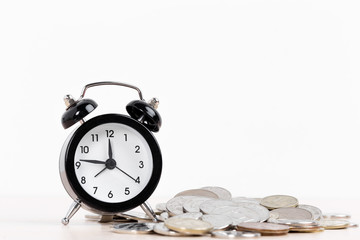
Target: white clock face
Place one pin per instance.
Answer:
(113, 162)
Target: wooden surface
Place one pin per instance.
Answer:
(39, 218)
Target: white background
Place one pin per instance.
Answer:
(259, 97)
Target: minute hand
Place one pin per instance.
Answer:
(92, 161)
(110, 150)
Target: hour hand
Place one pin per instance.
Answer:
(92, 161)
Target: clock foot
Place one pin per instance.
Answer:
(148, 210)
(75, 206)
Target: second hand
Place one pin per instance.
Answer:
(100, 171)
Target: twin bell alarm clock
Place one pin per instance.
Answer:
(110, 163)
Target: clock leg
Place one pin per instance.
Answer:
(75, 206)
(148, 210)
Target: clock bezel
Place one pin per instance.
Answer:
(92, 202)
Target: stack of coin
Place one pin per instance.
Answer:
(264, 228)
(213, 210)
(298, 219)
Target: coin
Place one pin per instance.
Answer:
(106, 218)
(163, 216)
(238, 214)
(175, 205)
(161, 207)
(293, 213)
(264, 228)
(134, 215)
(222, 193)
(218, 221)
(315, 212)
(353, 225)
(246, 199)
(138, 228)
(193, 215)
(258, 200)
(234, 234)
(122, 219)
(299, 225)
(279, 201)
(262, 212)
(192, 204)
(188, 225)
(273, 215)
(245, 214)
(336, 215)
(294, 222)
(333, 223)
(160, 228)
(307, 229)
(209, 206)
(198, 192)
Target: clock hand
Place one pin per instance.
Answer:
(92, 161)
(110, 150)
(126, 174)
(100, 172)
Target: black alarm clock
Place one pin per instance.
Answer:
(111, 163)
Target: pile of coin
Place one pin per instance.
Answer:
(213, 211)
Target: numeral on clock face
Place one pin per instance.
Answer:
(113, 162)
(95, 137)
(109, 133)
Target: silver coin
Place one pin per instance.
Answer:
(222, 193)
(353, 225)
(238, 214)
(334, 223)
(245, 199)
(137, 228)
(316, 212)
(298, 223)
(209, 206)
(262, 212)
(192, 215)
(218, 221)
(134, 215)
(160, 228)
(175, 205)
(258, 200)
(107, 218)
(198, 192)
(293, 213)
(234, 234)
(279, 201)
(273, 215)
(117, 218)
(161, 207)
(336, 215)
(193, 204)
(163, 216)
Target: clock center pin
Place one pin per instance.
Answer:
(110, 164)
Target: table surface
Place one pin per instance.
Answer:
(39, 218)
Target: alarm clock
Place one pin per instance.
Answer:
(111, 163)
